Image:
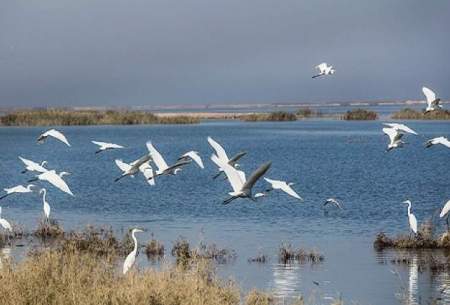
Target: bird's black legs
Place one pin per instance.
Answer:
(32, 180)
(448, 226)
(217, 175)
(227, 201)
(24, 171)
(117, 179)
(3, 196)
(98, 151)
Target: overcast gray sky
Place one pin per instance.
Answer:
(158, 52)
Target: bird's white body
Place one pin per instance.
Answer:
(157, 159)
(106, 146)
(235, 177)
(285, 187)
(32, 166)
(56, 180)
(445, 210)
(131, 258)
(17, 190)
(400, 127)
(333, 202)
(324, 69)
(439, 140)
(144, 168)
(4, 223)
(394, 138)
(55, 134)
(432, 101)
(46, 205)
(411, 218)
(194, 156)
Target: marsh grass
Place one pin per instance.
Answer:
(260, 258)
(288, 254)
(154, 249)
(183, 253)
(66, 117)
(48, 229)
(360, 114)
(382, 241)
(277, 116)
(308, 113)
(411, 114)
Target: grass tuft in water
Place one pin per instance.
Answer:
(360, 114)
(49, 229)
(154, 249)
(287, 254)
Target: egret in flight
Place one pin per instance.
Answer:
(411, 218)
(105, 146)
(192, 155)
(334, 202)
(131, 258)
(282, 185)
(432, 101)
(400, 127)
(242, 188)
(445, 212)
(46, 206)
(439, 140)
(394, 138)
(18, 189)
(222, 155)
(145, 169)
(324, 69)
(163, 168)
(4, 223)
(55, 179)
(133, 168)
(31, 166)
(53, 133)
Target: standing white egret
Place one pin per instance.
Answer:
(394, 138)
(144, 168)
(400, 127)
(133, 168)
(324, 69)
(222, 155)
(32, 166)
(46, 205)
(192, 155)
(242, 188)
(432, 101)
(439, 140)
(4, 223)
(282, 185)
(106, 146)
(53, 133)
(334, 202)
(163, 168)
(55, 179)
(17, 189)
(131, 258)
(445, 212)
(411, 218)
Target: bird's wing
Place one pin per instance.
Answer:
(157, 158)
(445, 209)
(57, 135)
(405, 128)
(270, 181)
(287, 189)
(392, 133)
(321, 67)
(256, 175)
(444, 141)
(429, 94)
(241, 175)
(124, 167)
(147, 171)
(100, 143)
(57, 181)
(194, 156)
(220, 152)
(37, 167)
(5, 224)
(112, 145)
(233, 175)
(413, 223)
(136, 164)
(129, 261)
(178, 164)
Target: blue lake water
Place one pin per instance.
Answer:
(345, 160)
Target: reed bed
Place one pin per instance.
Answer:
(260, 258)
(183, 253)
(154, 249)
(359, 115)
(382, 241)
(278, 116)
(52, 117)
(49, 229)
(307, 112)
(411, 114)
(288, 254)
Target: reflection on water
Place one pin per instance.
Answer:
(286, 280)
(413, 282)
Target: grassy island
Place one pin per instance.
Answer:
(277, 116)
(411, 114)
(360, 115)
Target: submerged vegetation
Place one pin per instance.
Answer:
(49, 117)
(277, 116)
(184, 254)
(288, 254)
(360, 114)
(411, 114)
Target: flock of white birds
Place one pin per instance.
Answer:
(241, 185)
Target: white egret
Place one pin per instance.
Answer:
(242, 188)
(222, 155)
(133, 168)
(282, 185)
(334, 202)
(4, 223)
(439, 140)
(55, 179)
(32, 166)
(400, 127)
(324, 69)
(394, 138)
(163, 168)
(445, 212)
(432, 101)
(46, 205)
(192, 155)
(411, 218)
(55, 134)
(144, 168)
(131, 258)
(17, 189)
(106, 146)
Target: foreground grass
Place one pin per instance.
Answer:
(50, 117)
(411, 114)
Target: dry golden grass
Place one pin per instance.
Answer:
(411, 114)
(49, 229)
(278, 116)
(154, 249)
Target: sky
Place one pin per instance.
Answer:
(162, 52)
